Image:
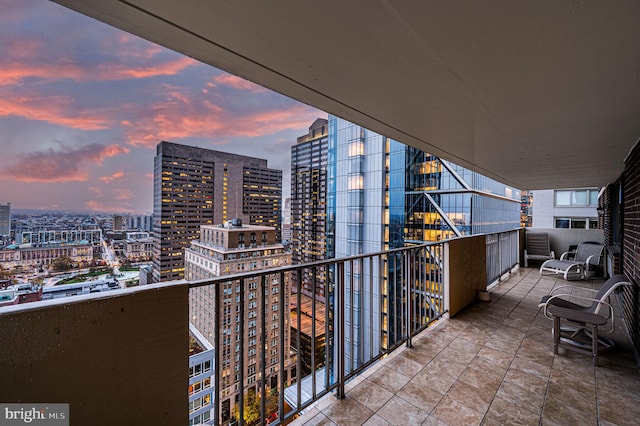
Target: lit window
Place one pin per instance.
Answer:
(356, 182)
(356, 148)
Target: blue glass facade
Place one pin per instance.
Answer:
(382, 195)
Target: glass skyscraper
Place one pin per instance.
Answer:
(382, 195)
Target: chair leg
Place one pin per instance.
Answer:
(594, 343)
(556, 334)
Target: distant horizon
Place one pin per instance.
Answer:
(82, 113)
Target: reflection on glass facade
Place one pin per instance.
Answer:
(445, 200)
(383, 195)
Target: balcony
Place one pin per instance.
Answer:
(124, 356)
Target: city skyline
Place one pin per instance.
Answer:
(81, 115)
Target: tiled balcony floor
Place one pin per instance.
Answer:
(492, 364)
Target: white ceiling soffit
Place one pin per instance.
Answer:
(537, 94)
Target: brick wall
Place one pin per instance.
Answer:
(631, 243)
(604, 221)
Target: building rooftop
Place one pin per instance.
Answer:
(306, 307)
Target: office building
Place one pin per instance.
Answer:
(230, 249)
(196, 186)
(309, 204)
(383, 195)
(5, 220)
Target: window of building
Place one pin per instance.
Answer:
(576, 222)
(356, 148)
(356, 182)
(576, 198)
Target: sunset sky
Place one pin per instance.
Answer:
(83, 106)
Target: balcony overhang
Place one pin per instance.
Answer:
(534, 95)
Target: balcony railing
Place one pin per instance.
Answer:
(369, 305)
(126, 343)
(502, 254)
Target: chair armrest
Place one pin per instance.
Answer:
(567, 253)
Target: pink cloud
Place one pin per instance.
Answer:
(109, 179)
(184, 117)
(63, 165)
(52, 109)
(123, 194)
(100, 206)
(238, 83)
(136, 62)
(96, 206)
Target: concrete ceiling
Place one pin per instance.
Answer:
(537, 94)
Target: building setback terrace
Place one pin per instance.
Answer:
(493, 364)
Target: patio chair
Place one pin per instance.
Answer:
(537, 247)
(587, 257)
(557, 306)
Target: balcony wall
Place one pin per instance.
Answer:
(117, 360)
(560, 239)
(466, 266)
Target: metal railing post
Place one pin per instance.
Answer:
(282, 330)
(408, 279)
(263, 348)
(340, 344)
(217, 353)
(241, 343)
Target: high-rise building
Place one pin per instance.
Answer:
(5, 220)
(118, 223)
(196, 186)
(226, 250)
(383, 195)
(140, 223)
(309, 204)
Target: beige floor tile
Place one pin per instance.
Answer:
(371, 395)
(453, 413)
(531, 367)
(504, 413)
(420, 395)
(561, 413)
(618, 409)
(400, 412)
(405, 365)
(531, 399)
(438, 380)
(474, 398)
(348, 412)
(389, 379)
